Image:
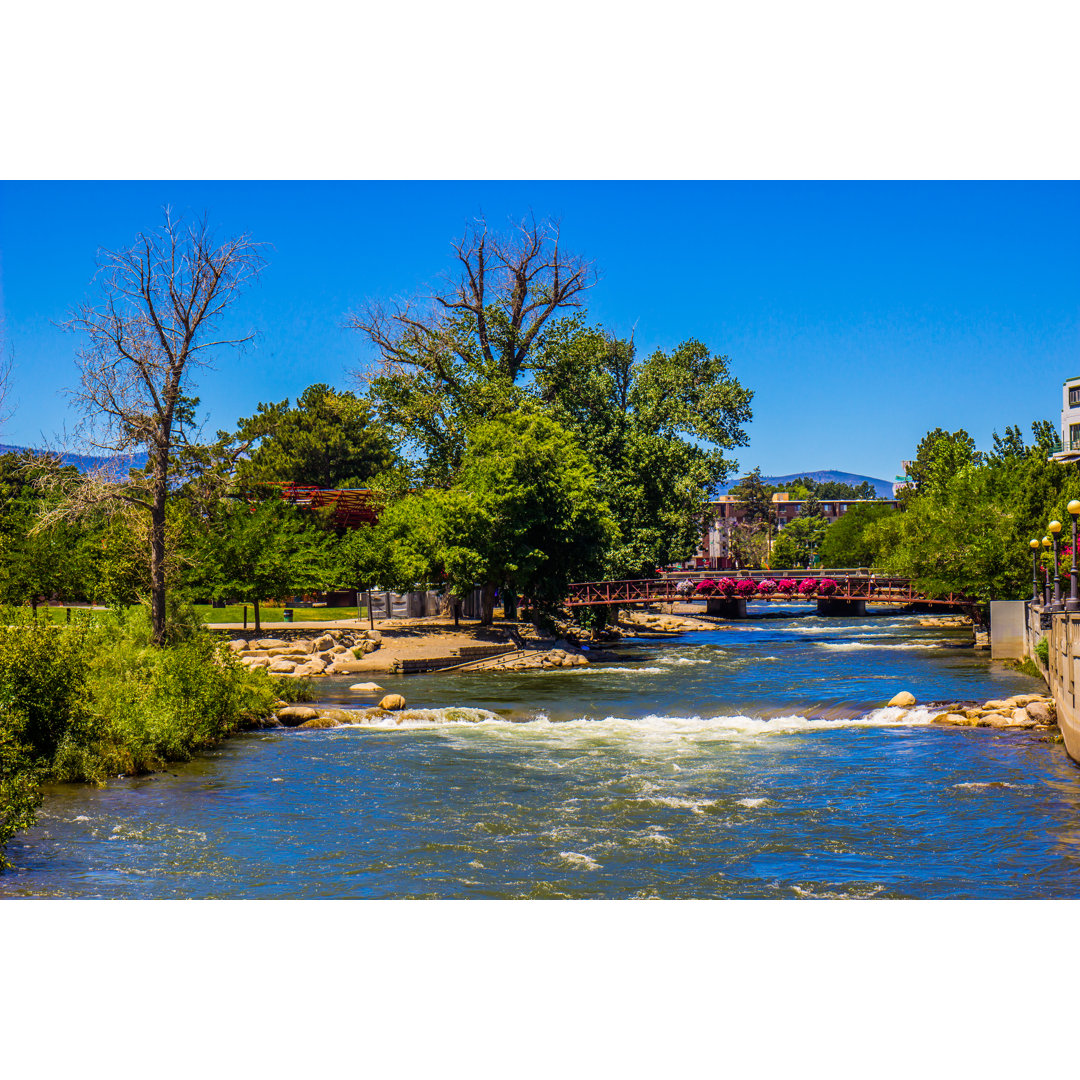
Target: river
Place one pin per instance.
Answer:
(753, 760)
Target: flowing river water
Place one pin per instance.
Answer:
(753, 760)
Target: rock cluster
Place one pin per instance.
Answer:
(1020, 711)
(306, 718)
(648, 620)
(334, 652)
(548, 658)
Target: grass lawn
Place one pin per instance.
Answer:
(235, 614)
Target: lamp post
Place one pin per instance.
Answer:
(1055, 528)
(1073, 603)
(1046, 577)
(1034, 545)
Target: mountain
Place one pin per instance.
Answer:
(884, 488)
(88, 462)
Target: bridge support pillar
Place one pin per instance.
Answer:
(840, 608)
(726, 609)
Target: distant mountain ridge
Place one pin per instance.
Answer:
(883, 488)
(86, 462)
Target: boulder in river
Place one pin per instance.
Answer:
(366, 688)
(320, 722)
(295, 715)
(392, 701)
(903, 700)
(1040, 712)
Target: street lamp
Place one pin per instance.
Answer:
(1073, 603)
(1046, 577)
(1034, 545)
(1055, 528)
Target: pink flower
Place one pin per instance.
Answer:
(826, 586)
(706, 585)
(745, 586)
(787, 585)
(767, 587)
(808, 586)
(726, 586)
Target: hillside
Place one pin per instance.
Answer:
(884, 488)
(87, 462)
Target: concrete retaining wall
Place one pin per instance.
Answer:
(1063, 672)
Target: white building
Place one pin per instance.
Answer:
(1070, 421)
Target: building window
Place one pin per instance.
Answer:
(1074, 436)
(1074, 395)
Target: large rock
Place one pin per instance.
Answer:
(282, 667)
(953, 719)
(320, 722)
(322, 643)
(346, 667)
(269, 643)
(295, 715)
(1019, 701)
(995, 705)
(366, 688)
(315, 666)
(288, 650)
(903, 700)
(1041, 712)
(340, 716)
(238, 644)
(392, 701)
(373, 635)
(367, 647)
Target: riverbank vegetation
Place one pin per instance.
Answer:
(95, 698)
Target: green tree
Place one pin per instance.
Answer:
(265, 550)
(754, 497)
(655, 430)
(845, 543)
(801, 538)
(330, 440)
(940, 456)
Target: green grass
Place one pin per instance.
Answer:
(235, 614)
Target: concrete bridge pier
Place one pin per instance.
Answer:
(840, 608)
(735, 608)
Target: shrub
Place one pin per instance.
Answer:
(1042, 651)
(766, 587)
(745, 587)
(827, 586)
(808, 586)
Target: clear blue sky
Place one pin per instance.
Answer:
(861, 313)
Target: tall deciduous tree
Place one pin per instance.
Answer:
(454, 357)
(754, 497)
(160, 317)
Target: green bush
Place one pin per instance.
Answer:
(88, 701)
(1042, 651)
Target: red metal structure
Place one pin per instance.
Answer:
(881, 590)
(352, 507)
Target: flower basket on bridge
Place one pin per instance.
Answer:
(788, 586)
(684, 589)
(827, 586)
(746, 587)
(726, 586)
(706, 587)
(766, 587)
(808, 586)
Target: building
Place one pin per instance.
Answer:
(715, 550)
(1070, 421)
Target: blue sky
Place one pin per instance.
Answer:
(861, 313)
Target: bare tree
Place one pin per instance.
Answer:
(459, 350)
(162, 304)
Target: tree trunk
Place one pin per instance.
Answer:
(157, 547)
(487, 604)
(258, 625)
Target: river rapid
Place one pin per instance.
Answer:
(753, 760)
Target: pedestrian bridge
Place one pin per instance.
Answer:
(854, 590)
